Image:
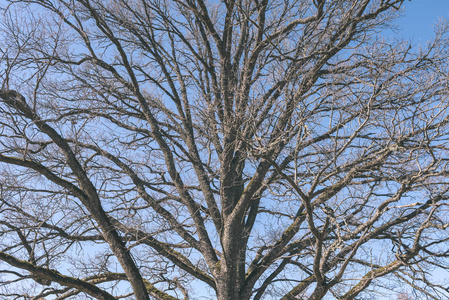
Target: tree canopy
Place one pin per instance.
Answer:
(226, 149)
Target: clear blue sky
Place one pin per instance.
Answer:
(420, 17)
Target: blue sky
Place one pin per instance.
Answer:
(420, 17)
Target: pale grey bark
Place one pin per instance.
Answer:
(264, 149)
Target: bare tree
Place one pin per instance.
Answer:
(252, 149)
